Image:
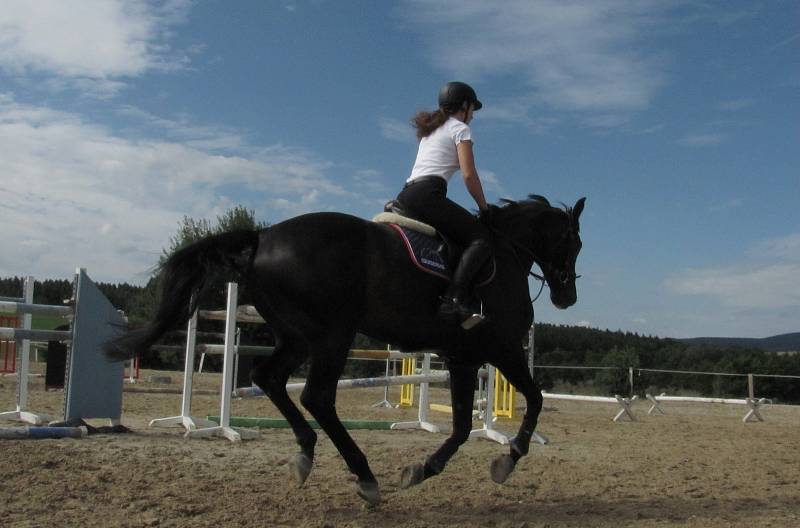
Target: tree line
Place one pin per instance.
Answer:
(572, 346)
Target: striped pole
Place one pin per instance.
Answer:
(361, 383)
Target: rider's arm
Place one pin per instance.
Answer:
(466, 161)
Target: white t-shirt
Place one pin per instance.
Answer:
(437, 154)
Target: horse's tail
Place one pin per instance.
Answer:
(184, 276)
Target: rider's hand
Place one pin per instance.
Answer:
(486, 216)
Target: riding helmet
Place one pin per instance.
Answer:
(455, 94)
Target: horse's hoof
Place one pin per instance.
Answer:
(502, 467)
(412, 475)
(370, 492)
(300, 467)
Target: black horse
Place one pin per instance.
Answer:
(320, 278)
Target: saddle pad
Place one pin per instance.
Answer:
(394, 218)
(424, 251)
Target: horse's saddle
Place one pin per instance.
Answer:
(429, 250)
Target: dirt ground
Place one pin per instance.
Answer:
(698, 466)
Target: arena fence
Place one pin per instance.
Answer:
(752, 403)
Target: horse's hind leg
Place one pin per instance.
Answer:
(462, 393)
(515, 369)
(319, 397)
(271, 376)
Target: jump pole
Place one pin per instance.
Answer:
(624, 403)
(753, 404)
(358, 383)
(32, 432)
(282, 423)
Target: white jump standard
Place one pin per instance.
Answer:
(224, 428)
(10, 305)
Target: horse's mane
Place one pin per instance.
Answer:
(512, 212)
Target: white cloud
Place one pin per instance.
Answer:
(514, 110)
(653, 129)
(771, 286)
(785, 42)
(758, 296)
(184, 130)
(575, 56)
(785, 248)
(372, 181)
(606, 121)
(754, 286)
(702, 140)
(736, 104)
(92, 43)
(74, 193)
(726, 206)
(396, 130)
(491, 182)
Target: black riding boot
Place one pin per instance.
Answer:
(454, 306)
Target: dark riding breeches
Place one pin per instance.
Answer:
(427, 200)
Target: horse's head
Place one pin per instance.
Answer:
(551, 237)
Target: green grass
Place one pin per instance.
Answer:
(41, 322)
(48, 322)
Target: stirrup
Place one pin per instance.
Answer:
(456, 312)
(473, 320)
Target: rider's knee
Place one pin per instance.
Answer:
(482, 244)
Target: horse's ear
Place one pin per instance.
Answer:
(578, 209)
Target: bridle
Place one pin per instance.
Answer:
(563, 276)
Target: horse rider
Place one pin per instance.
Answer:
(445, 146)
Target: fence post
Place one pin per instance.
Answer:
(630, 380)
(750, 387)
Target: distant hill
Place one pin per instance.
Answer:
(778, 343)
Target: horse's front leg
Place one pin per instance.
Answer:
(515, 369)
(462, 392)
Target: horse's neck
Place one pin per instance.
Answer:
(517, 251)
(512, 266)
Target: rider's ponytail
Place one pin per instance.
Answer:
(427, 122)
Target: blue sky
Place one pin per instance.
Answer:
(679, 121)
